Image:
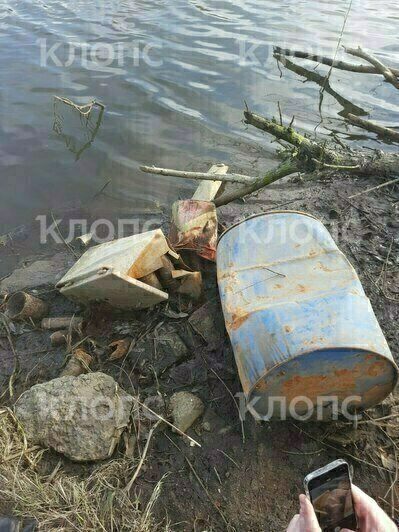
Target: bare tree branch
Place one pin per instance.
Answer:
(342, 65)
(388, 74)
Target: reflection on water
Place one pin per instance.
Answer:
(173, 76)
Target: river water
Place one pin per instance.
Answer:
(174, 76)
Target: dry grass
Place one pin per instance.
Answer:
(63, 502)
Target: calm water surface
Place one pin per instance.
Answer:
(174, 76)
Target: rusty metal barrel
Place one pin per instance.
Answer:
(304, 335)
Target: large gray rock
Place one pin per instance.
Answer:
(80, 417)
(39, 273)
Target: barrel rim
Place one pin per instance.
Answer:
(392, 362)
(266, 214)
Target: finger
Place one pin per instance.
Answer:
(308, 514)
(346, 530)
(360, 497)
(293, 526)
(364, 505)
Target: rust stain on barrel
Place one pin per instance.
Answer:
(317, 385)
(376, 368)
(238, 319)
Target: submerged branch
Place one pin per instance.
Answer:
(323, 82)
(373, 127)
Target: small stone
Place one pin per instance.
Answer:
(208, 322)
(81, 417)
(185, 408)
(206, 426)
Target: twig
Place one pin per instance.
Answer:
(389, 504)
(375, 128)
(391, 182)
(280, 113)
(388, 74)
(374, 420)
(167, 422)
(229, 457)
(143, 456)
(303, 453)
(85, 109)
(76, 255)
(336, 166)
(102, 189)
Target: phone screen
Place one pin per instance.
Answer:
(331, 497)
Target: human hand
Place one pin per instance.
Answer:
(306, 520)
(371, 518)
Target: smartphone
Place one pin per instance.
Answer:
(329, 490)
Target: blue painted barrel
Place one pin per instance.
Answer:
(301, 326)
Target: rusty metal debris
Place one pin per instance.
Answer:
(78, 364)
(23, 306)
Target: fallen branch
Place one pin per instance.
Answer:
(341, 65)
(388, 74)
(309, 155)
(230, 178)
(252, 183)
(375, 128)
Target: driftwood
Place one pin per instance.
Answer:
(315, 159)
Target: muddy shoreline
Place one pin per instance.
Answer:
(253, 485)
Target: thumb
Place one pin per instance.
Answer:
(308, 514)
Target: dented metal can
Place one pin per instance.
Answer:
(304, 335)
